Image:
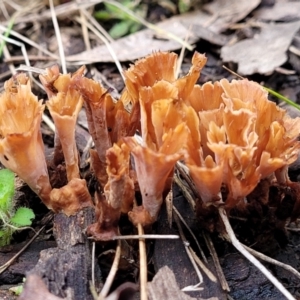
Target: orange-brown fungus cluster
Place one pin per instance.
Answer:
(247, 138)
(229, 135)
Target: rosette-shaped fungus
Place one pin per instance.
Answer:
(21, 145)
(64, 105)
(245, 138)
(277, 144)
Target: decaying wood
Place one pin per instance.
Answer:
(68, 267)
(165, 251)
(164, 286)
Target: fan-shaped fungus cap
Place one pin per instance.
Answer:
(147, 71)
(153, 168)
(21, 145)
(162, 66)
(64, 105)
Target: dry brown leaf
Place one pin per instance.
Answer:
(264, 52)
(194, 25)
(281, 11)
(225, 13)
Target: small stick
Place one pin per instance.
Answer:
(235, 242)
(112, 273)
(107, 44)
(93, 263)
(191, 232)
(188, 250)
(143, 264)
(208, 273)
(169, 206)
(58, 37)
(146, 236)
(218, 267)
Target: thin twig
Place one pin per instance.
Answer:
(19, 58)
(84, 28)
(191, 232)
(29, 42)
(208, 273)
(93, 263)
(213, 253)
(187, 249)
(183, 170)
(293, 229)
(143, 265)
(146, 236)
(181, 55)
(97, 26)
(169, 206)
(107, 44)
(235, 242)
(58, 38)
(49, 122)
(113, 270)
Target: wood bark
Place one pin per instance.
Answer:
(67, 269)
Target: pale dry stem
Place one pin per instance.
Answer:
(112, 273)
(188, 251)
(214, 255)
(143, 264)
(58, 38)
(191, 232)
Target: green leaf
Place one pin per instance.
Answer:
(120, 29)
(103, 15)
(115, 12)
(22, 217)
(7, 189)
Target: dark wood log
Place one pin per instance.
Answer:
(69, 266)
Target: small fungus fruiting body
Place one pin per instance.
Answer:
(21, 145)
